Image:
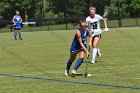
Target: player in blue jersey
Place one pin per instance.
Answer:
(17, 20)
(79, 47)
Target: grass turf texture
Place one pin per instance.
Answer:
(44, 55)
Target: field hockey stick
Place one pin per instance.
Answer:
(87, 63)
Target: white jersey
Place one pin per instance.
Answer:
(95, 24)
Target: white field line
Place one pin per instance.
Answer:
(99, 75)
(103, 74)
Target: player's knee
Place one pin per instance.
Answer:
(82, 57)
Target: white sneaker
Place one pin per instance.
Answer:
(106, 30)
(93, 61)
(66, 72)
(73, 71)
(99, 52)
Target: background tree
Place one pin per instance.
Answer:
(24, 6)
(135, 8)
(68, 8)
(118, 8)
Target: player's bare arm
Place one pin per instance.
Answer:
(20, 20)
(105, 22)
(13, 20)
(81, 43)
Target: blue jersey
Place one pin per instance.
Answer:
(17, 20)
(75, 44)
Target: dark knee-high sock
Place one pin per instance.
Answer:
(19, 34)
(15, 35)
(68, 65)
(78, 63)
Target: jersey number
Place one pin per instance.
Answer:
(94, 25)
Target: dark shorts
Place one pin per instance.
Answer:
(17, 28)
(99, 36)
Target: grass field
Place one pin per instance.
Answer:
(37, 64)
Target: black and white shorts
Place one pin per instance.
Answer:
(96, 35)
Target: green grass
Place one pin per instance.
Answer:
(42, 28)
(44, 55)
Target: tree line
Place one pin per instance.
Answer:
(37, 9)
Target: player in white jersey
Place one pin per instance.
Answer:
(93, 22)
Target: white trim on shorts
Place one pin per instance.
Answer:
(72, 52)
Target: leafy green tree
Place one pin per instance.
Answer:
(8, 8)
(69, 8)
(100, 5)
(135, 8)
(76, 8)
(118, 8)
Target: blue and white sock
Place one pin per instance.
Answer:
(78, 63)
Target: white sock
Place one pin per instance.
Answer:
(94, 53)
(99, 52)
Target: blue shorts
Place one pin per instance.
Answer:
(17, 26)
(76, 48)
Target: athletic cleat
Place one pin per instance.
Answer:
(106, 30)
(66, 72)
(20, 38)
(92, 61)
(73, 72)
(99, 52)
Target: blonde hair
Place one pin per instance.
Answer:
(92, 8)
